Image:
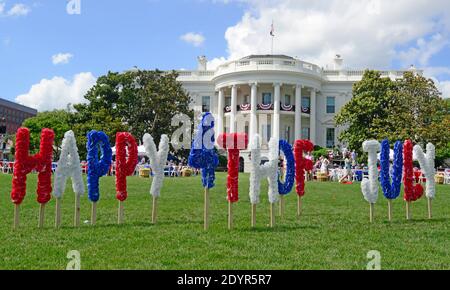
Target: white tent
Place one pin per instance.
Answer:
(141, 150)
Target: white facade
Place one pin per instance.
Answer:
(275, 96)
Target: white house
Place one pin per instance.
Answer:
(275, 96)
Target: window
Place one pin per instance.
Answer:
(267, 98)
(331, 105)
(206, 104)
(287, 100)
(305, 133)
(330, 137)
(228, 101)
(246, 99)
(287, 134)
(266, 133)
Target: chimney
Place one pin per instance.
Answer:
(338, 62)
(202, 63)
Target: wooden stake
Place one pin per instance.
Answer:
(253, 215)
(372, 211)
(120, 213)
(41, 215)
(16, 216)
(281, 205)
(299, 206)
(154, 209)
(58, 213)
(206, 210)
(94, 214)
(430, 214)
(390, 209)
(272, 215)
(408, 210)
(76, 219)
(230, 215)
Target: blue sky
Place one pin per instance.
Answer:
(107, 35)
(117, 35)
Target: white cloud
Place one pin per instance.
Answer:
(19, 10)
(370, 33)
(61, 58)
(443, 73)
(214, 63)
(57, 92)
(444, 88)
(196, 39)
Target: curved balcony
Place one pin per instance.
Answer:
(275, 63)
(266, 107)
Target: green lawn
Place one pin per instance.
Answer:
(333, 233)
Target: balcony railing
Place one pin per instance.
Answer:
(266, 107)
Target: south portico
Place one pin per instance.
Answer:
(271, 109)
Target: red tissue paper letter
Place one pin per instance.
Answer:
(233, 143)
(302, 164)
(24, 164)
(412, 192)
(125, 166)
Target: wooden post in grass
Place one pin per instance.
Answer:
(253, 215)
(41, 215)
(371, 212)
(76, 218)
(120, 213)
(390, 209)
(94, 214)
(430, 214)
(154, 209)
(206, 210)
(272, 215)
(299, 206)
(16, 216)
(408, 210)
(230, 215)
(58, 213)
(281, 205)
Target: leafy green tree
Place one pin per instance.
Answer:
(58, 120)
(407, 108)
(136, 101)
(365, 113)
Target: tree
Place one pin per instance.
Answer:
(137, 101)
(365, 112)
(407, 108)
(85, 121)
(58, 120)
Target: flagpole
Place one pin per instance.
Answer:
(272, 34)
(272, 45)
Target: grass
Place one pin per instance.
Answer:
(333, 233)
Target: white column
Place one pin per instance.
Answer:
(298, 112)
(276, 112)
(253, 104)
(220, 112)
(313, 116)
(233, 109)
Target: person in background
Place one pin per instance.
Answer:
(353, 157)
(324, 166)
(348, 170)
